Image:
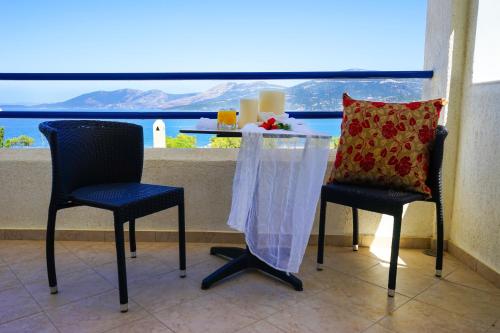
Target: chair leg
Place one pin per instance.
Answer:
(396, 233)
(440, 237)
(355, 229)
(182, 241)
(321, 235)
(120, 260)
(131, 236)
(49, 249)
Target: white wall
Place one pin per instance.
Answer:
(476, 212)
(206, 175)
(471, 167)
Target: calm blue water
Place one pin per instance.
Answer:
(16, 127)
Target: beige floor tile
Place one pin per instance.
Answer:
(410, 282)
(419, 317)
(93, 253)
(72, 287)
(201, 270)
(8, 278)
(36, 270)
(148, 324)
(207, 314)
(163, 291)
(38, 323)
(316, 315)
(413, 258)
(94, 314)
(14, 251)
(261, 294)
(363, 298)
(169, 252)
(469, 278)
(349, 262)
(377, 329)
(16, 303)
(140, 268)
(260, 327)
(495, 328)
(471, 303)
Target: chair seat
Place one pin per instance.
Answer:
(133, 199)
(381, 200)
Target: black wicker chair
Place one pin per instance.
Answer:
(99, 164)
(388, 201)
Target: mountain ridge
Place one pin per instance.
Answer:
(312, 95)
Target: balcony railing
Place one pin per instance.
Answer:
(52, 114)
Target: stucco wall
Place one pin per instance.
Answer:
(476, 211)
(444, 50)
(206, 175)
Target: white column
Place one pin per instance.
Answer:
(159, 134)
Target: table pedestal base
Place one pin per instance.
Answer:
(242, 259)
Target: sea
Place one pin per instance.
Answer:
(29, 127)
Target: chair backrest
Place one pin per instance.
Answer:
(92, 152)
(436, 161)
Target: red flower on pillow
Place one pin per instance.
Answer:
(403, 167)
(378, 104)
(367, 163)
(425, 134)
(389, 130)
(338, 160)
(355, 127)
(347, 100)
(413, 105)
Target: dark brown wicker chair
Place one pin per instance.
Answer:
(99, 164)
(388, 201)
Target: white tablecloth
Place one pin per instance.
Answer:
(276, 189)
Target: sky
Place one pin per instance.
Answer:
(200, 36)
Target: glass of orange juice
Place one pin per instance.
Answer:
(226, 119)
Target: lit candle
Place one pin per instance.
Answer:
(272, 101)
(249, 109)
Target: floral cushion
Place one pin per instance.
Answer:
(386, 144)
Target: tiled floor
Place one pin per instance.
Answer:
(349, 295)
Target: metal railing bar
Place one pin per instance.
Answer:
(147, 114)
(423, 74)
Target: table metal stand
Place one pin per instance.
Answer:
(242, 259)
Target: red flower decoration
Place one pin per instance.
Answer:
(389, 130)
(408, 145)
(425, 134)
(376, 118)
(438, 105)
(366, 123)
(412, 121)
(378, 104)
(338, 160)
(349, 150)
(355, 127)
(393, 160)
(413, 105)
(368, 162)
(401, 127)
(346, 100)
(403, 167)
(383, 153)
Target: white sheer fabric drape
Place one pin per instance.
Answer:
(275, 193)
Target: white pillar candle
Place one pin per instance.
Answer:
(272, 101)
(249, 111)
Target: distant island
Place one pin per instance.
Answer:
(313, 95)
